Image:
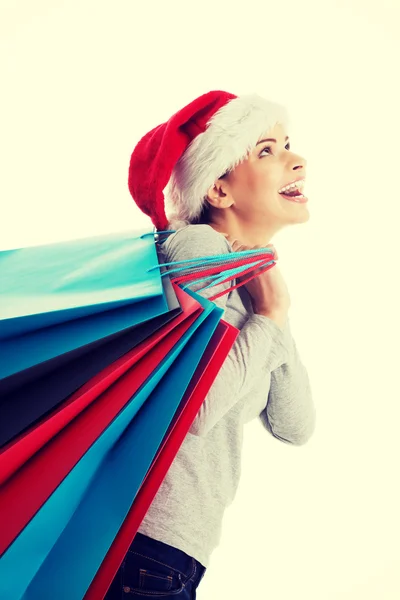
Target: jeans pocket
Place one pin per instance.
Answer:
(144, 576)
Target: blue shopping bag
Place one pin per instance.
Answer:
(54, 283)
(35, 392)
(68, 514)
(23, 355)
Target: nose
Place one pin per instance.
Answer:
(299, 163)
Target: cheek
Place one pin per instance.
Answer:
(253, 181)
(254, 184)
(263, 185)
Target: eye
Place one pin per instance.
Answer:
(264, 149)
(269, 148)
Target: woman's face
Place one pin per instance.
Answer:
(251, 190)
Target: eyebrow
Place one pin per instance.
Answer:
(270, 140)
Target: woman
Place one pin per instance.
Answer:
(226, 162)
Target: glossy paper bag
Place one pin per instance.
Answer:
(54, 283)
(70, 509)
(38, 390)
(48, 467)
(200, 384)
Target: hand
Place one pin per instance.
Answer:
(268, 291)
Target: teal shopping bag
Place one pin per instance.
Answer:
(27, 396)
(61, 522)
(23, 355)
(55, 283)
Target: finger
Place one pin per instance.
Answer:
(236, 245)
(273, 250)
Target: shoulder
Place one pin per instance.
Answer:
(194, 241)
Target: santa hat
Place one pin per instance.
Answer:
(195, 147)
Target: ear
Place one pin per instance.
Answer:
(219, 195)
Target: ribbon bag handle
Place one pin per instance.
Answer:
(219, 269)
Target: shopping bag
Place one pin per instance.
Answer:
(51, 381)
(70, 512)
(16, 453)
(45, 285)
(46, 536)
(24, 355)
(21, 354)
(49, 386)
(206, 372)
(59, 455)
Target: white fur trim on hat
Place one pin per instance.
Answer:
(232, 132)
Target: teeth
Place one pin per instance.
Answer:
(297, 185)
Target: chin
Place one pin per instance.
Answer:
(301, 215)
(304, 216)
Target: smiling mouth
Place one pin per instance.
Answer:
(293, 188)
(294, 192)
(301, 199)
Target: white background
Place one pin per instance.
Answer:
(83, 80)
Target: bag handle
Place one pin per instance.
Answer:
(220, 269)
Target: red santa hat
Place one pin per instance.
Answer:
(184, 156)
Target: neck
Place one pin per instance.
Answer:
(248, 233)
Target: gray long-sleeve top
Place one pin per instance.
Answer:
(263, 377)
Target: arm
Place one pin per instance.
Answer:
(259, 345)
(290, 412)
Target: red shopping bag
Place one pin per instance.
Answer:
(199, 387)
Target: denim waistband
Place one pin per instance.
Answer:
(168, 555)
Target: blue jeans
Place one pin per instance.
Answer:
(152, 569)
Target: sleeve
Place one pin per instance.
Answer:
(290, 414)
(195, 241)
(259, 345)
